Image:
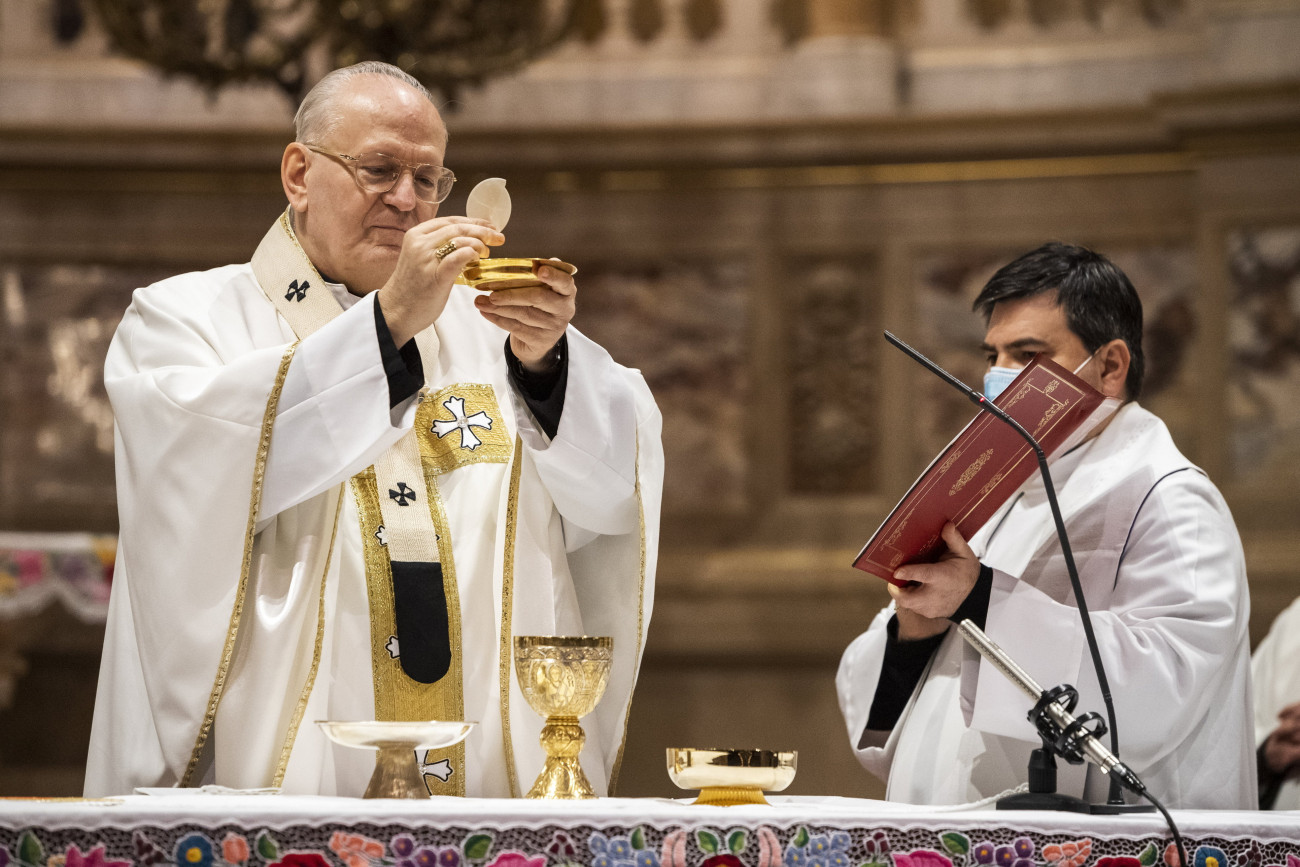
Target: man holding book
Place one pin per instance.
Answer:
(1160, 563)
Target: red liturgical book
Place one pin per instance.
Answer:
(985, 464)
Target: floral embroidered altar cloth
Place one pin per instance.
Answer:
(39, 569)
(202, 830)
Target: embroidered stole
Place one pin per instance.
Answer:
(415, 617)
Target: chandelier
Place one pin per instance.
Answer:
(446, 44)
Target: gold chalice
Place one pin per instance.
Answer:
(494, 274)
(398, 773)
(727, 778)
(562, 677)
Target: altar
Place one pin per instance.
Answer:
(195, 829)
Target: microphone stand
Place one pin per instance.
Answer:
(1115, 800)
(1063, 733)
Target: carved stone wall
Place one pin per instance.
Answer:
(1264, 341)
(683, 324)
(831, 420)
(56, 446)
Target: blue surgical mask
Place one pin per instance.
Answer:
(997, 379)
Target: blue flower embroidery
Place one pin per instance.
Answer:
(194, 851)
(1209, 856)
(612, 851)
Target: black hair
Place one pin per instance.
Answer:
(1100, 303)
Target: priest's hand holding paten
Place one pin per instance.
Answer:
(433, 255)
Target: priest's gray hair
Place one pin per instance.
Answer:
(318, 115)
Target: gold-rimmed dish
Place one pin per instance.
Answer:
(729, 777)
(495, 274)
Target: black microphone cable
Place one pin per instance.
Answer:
(1169, 820)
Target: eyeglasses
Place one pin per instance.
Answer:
(378, 173)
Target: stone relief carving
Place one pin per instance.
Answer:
(833, 440)
(684, 326)
(1264, 336)
(56, 446)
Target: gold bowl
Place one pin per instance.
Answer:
(562, 677)
(492, 275)
(726, 778)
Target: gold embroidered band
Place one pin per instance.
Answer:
(254, 506)
(399, 506)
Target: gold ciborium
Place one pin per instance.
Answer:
(728, 778)
(562, 677)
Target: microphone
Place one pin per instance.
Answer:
(971, 394)
(1115, 802)
(1055, 722)
(1070, 733)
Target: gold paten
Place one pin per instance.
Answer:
(562, 677)
(397, 772)
(727, 778)
(491, 275)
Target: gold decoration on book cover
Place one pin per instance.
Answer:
(971, 472)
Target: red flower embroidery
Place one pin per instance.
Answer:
(723, 860)
(1118, 861)
(920, 858)
(301, 859)
(518, 859)
(93, 858)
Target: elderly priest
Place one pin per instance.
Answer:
(345, 482)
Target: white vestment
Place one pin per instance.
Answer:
(1276, 671)
(231, 632)
(1164, 578)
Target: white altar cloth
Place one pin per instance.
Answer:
(207, 830)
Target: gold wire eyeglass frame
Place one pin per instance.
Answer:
(353, 163)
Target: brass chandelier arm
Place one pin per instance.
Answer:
(445, 44)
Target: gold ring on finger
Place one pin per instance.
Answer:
(445, 250)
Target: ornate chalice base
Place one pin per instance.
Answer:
(491, 275)
(562, 677)
(397, 770)
(727, 778)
